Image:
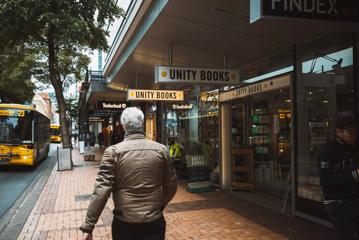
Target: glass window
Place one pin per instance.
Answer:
(194, 125)
(262, 123)
(16, 130)
(325, 92)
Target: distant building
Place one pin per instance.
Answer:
(45, 96)
(40, 105)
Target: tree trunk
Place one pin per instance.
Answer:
(56, 83)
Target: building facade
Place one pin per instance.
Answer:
(262, 131)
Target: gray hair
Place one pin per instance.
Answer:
(132, 119)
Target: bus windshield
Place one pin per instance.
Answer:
(55, 131)
(16, 130)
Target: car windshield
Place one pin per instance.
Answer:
(16, 129)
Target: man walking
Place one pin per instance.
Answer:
(339, 176)
(138, 173)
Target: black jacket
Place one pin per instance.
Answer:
(337, 170)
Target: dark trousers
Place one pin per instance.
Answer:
(345, 218)
(155, 230)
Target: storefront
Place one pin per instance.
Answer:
(327, 88)
(272, 128)
(280, 128)
(105, 119)
(194, 122)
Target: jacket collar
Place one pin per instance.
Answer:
(134, 135)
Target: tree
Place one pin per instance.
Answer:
(16, 67)
(72, 108)
(58, 26)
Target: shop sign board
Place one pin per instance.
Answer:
(111, 105)
(169, 74)
(255, 88)
(154, 95)
(334, 10)
(182, 106)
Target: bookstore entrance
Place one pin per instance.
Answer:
(261, 141)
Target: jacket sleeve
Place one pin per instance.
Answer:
(327, 165)
(103, 188)
(169, 182)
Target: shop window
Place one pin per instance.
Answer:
(261, 123)
(325, 92)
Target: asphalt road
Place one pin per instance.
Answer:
(14, 180)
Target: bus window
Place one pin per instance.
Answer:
(16, 130)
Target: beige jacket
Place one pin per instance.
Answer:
(137, 172)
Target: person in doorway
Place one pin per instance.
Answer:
(137, 172)
(175, 149)
(339, 177)
(100, 139)
(92, 139)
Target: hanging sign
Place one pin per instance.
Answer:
(182, 106)
(154, 95)
(247, 90)
(166, 74)
(111, 105)
(335, 10)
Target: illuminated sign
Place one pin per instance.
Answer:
(211, 96)
(111, 105)
(96, 119)
(154, 95)
(284, 114)
(167, 74)
(336, 10)
(182, 106)
(12, 113)
(247, 90)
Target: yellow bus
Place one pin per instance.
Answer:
(24, 135)
(55, 133)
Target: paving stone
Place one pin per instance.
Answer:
(61, 209)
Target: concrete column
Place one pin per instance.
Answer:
(226, 146)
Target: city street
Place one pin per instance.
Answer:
(250, 109)
(15, 180)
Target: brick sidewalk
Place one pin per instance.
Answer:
(62, 205)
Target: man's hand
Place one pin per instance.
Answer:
(87, 236)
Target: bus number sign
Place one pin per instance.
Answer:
(21, 113)
(12, 113)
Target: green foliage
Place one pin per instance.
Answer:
(72, 66)
(73, 23)
(61, 30)
(72, 107)
(16, 66)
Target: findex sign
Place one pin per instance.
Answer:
(335, 10)
(169, 74)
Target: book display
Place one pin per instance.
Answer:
(243, 169)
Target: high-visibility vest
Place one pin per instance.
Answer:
(175, 151)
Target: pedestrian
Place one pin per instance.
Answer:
(339, 177)
(92, 139)
(75, 138)
(100, 139)
(175, 149)
(138, 174)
